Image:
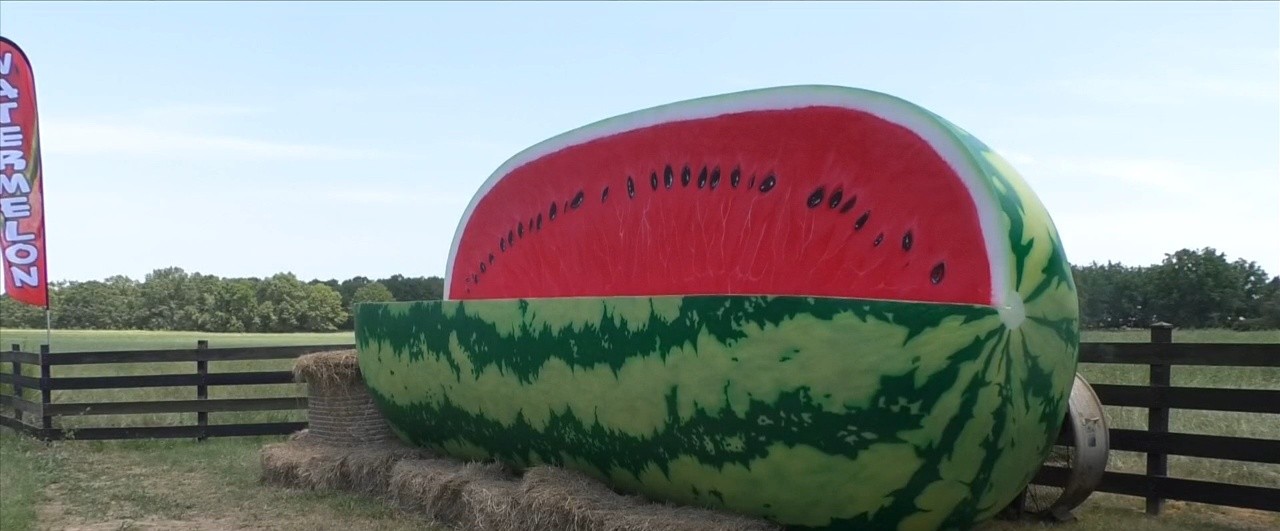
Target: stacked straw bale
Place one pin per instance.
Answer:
(349, 446)
(340, 410)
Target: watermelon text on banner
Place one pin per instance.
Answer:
(21, 190)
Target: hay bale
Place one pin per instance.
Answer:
(367, 469)
(340, 410)
(337, 369)
(489, 497)
(555, 498)
(306, 462)
(301, 463)
(481, 496)
(447, 490)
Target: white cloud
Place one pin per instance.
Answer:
(364, 195)
(195, 111)
(1158, 174)
(1171, 87)
(121, 139)
(1166, 175)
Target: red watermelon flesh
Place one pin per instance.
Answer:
(818, 200)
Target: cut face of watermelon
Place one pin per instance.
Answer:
(814, 191)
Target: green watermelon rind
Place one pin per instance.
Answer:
(684, 398)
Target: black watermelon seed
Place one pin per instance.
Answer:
(879, 240)
(502, 244)
(520, 229)
(539, 221)
(552, 214)
(490, 258)
(735, 177)
(483, 268)
(848, 205)
(906, 241)
(653, 180)
(815, 198)
(631, 188)
(577, 200)
(862, 220)
(938, 272)
(715, 177)
(836, 197)
(604, 194)
(475, 278)
(511, 238)
(702, 177)
(685, 176)
(769, 182)
(668, 177)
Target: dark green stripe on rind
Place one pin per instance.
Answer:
(520, 348)
(825, 413)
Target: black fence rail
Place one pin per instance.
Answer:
(1158, 397)
(36, 416)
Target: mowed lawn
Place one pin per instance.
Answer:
(182, 484)
(91, 340)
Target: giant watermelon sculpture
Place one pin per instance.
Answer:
(824, 306)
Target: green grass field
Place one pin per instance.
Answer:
(213, 485)
(90, 340)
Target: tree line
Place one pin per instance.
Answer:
(172, 299)
(1189, 288)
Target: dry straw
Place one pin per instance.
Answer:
(349, 446)
(555, 498)
(334, 371)
(340, 410)
(306, 462)
(482, 496)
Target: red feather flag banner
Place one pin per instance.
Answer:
(21, 188)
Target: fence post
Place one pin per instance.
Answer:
(202, 388)
(46, 394)
(17, 387)
(1158, 417)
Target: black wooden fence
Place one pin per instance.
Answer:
(36, 417)
(1158, 397)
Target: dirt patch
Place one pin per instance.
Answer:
(1243, 519)
(211, 486)
(154, 525)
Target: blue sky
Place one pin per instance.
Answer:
(339, 139)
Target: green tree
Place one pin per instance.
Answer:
(1196, 289)
(1113, 295)
(374, 292)
(237, 305)
(14, 314)
(1255, 284)
(407, 288)
(435, 288)
(98, 305)
(349, 287)
(324, 311)
(282, 303)
(166, 298)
